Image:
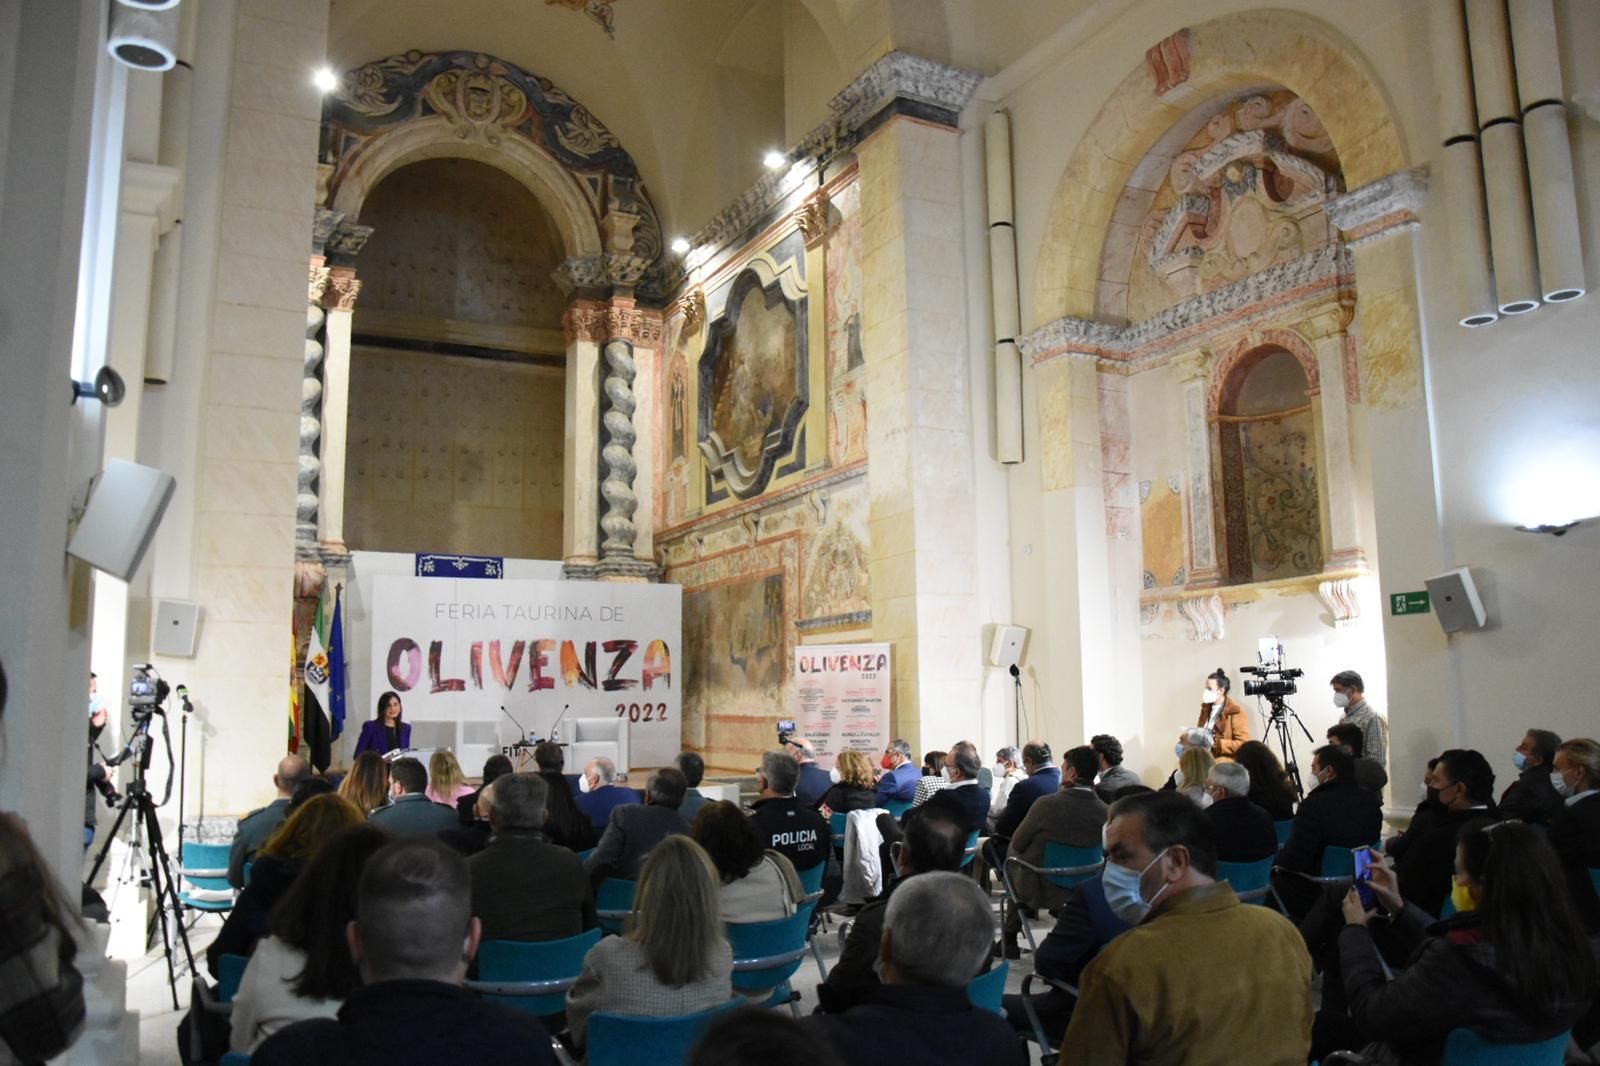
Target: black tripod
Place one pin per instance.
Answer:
(1281, 714)
(138, 800)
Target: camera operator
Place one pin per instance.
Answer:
(98, 779)
(1349, 696)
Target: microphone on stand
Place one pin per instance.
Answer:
(522, 734)
(555, 734)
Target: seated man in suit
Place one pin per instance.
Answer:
(599, 792)
(523, 886)
(936, 934)
(1244, 831)
(898, 783)
(1043, 780)
(1532, 797)
(1085, 926)
(1074, 816)
(1113, 775)
(1575, 836)
(261, 823)
(1465, 785)
(1337, 813)
(693, 769)
(635, 829)
(814, 780)
(1370, 773)
(467, 806)
(413, 938)
(958, 790)
(933, 841)
(410, 812)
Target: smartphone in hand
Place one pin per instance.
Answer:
(1365, 858)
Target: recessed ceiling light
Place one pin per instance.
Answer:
(774, 159)
(325, 79)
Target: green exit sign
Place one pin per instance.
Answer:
(1408, 603)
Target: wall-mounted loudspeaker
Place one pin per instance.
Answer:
(124, 510)
(144, 34)
(177, 629)
(1455, 601)
(1005, 649)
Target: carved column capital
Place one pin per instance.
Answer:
(1382, 208)
(343, 289)
(1331, 320)
(813, 218)
(346, 241)
(691, 307)
(1191, 366)
(317, 282)
(616, 320)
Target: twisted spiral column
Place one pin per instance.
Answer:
(617, 487)
(305, 530)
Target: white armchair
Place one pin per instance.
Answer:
(598, 738)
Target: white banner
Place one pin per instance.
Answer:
(842, 697)
(477, 662)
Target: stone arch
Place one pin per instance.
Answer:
(1230, 369)
(1215, 59)
(433, 138)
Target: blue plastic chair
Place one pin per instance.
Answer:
(971, 849)
(247, 868)
(204, 868)
(1338, 870)
(985, 990)
(1449, 908)
(1064, 866)
(897, 808)
(235, 1058)
(613, 902)
(1282, 829)
(583, 856)
(811, 880)
(627, 1040)
(230, 971)
(838, 822)
(532, 976)
(1250, 880)
(1594, 877)
(767, 954)
(1466, 1048)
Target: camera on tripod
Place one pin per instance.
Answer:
(146, 690)
(1273, 680)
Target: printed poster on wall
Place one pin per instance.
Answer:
(477, 663)
(842, 697)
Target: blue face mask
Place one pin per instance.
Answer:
(1124, 894)
(1177, 749)
(1519, 760)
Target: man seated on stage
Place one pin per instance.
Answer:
(635, 829)
(413, 938)
(261, 823)
(600, 792)
(410, 812)
(782, 822)
(523, 887)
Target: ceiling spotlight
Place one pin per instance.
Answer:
(774, 159)
(325, 79)
(680, 246)
(107, 387)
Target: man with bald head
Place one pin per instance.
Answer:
(261, 823)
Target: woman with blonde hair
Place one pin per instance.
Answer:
(276, 865)
(446, 782)
(1194, 766)
(673, 958)
(857, 788)
(367, 783)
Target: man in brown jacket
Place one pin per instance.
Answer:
(1144, 999)
(1074, 816)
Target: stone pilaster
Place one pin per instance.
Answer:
(1342, 492)
(1204, 569)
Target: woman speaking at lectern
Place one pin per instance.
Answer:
(387, 731)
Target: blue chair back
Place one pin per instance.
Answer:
(247, 868)
(627, 1040)
(811, 880)
(230, 971)
(760, 940)
(193, 855)
(1338, 862)
(536, 960)
(1449, 908)
(985, 990)
(897, 808)
(1249, 879)
(1282, 829)
(839, 822)
(615, 894)
(1466, 1048)
(1064, 856)
(583, 856)
(1594, 877)
(235, 1058)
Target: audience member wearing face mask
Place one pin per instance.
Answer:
(1575, 834)
(1336, 813)
(1534, 796)
(1220, 716)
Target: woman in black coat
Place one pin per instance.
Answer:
(1504, 966)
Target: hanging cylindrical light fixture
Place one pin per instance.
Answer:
(1003, 282)
(1505, 177)
(1462, 186)
(1549, 150)
(143, 36)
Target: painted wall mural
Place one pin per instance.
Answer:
(735, 649)
(1279, 489)
(847, 394)
(1161, 531)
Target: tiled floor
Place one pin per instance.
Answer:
(148, 993)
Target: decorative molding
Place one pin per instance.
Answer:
(1380, 208)
(603, 12)
(346, 241)
(317, 282)
(323, 223)
(814, 218)
(1341, 595)
(1328, 268)
(701, 525)
(1168, 60)
(599, 323)
(691, 306)
(617, 486)
(852, 620)
(150, 189)
(600, 273)
(901, 75)
(343, 289)
(1204, 615)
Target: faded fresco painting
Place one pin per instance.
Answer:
(733, 639)
(1161, 531)
(754, 382)
(836, 581)
(847, 396)
(1280, 493)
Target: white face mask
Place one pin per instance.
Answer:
(1341, 700)
(948, 774)
(583, 782)
(1212, 696)
(1561, 786)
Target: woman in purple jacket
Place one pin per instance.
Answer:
(387, 730)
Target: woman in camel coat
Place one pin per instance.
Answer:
(1226, 720)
